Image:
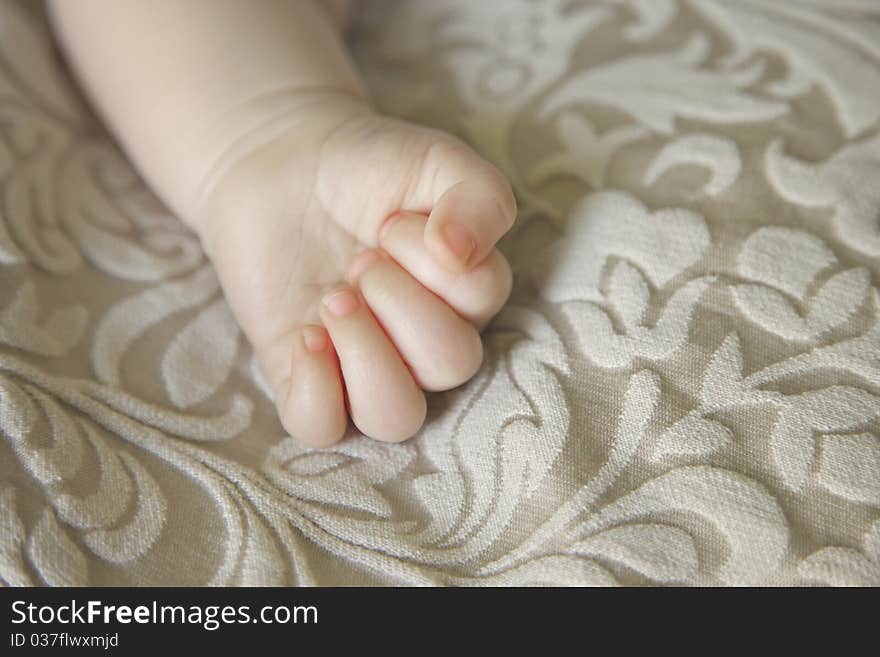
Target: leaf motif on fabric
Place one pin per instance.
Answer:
(52, 462)
(846, 182)
(837, 566)
(223, 426)
(838, 299)
(55, 465)
(498, 71)
(55, 336)
(133, 538)
(10, 254)
(849, 466)
(859, 355)
(261, 563)
(656, 88)
(505, 465)
(639, 404)
(771, 311)
(661, 553)
(200, 358)
(832, 409)
(107, 237)
(629, 293)
(817, 41)
(723, 383)
(694, 437)
(599, 340)
(344, 475)
(526, 36)
(662, 244)
(131, 317)
(13, 571)
(718, 154)
(29, 194)
(788, 260)
(111, 495)
(37, 80)
(17, 412)
(586, 154)
(743, 511)
(652, 17)
(56, 557)
(485, 476)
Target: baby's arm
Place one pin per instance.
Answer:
(249, 119)
(178, 81)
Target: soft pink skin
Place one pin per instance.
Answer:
(296, 186)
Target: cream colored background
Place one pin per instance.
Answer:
(684, 389)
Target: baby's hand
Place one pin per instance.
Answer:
(354, 308)
(405, 324)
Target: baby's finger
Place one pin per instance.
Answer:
(385, 402)
(472, 206)
(311, 404)
(442, 349)
(476, 295)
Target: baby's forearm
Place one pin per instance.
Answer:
(182, 82)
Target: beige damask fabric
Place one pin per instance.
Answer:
(684, 388)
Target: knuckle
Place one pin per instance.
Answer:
(461, 362)
(489, 286)
(406, 424)
(303, 433)
(471, 359)
(310, 426)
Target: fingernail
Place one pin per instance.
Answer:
(459, 240)
(341, 302)
(361, 262)
(314, 339)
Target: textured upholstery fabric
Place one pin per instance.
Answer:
(684, 388)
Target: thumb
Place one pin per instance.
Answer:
(472, 207)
